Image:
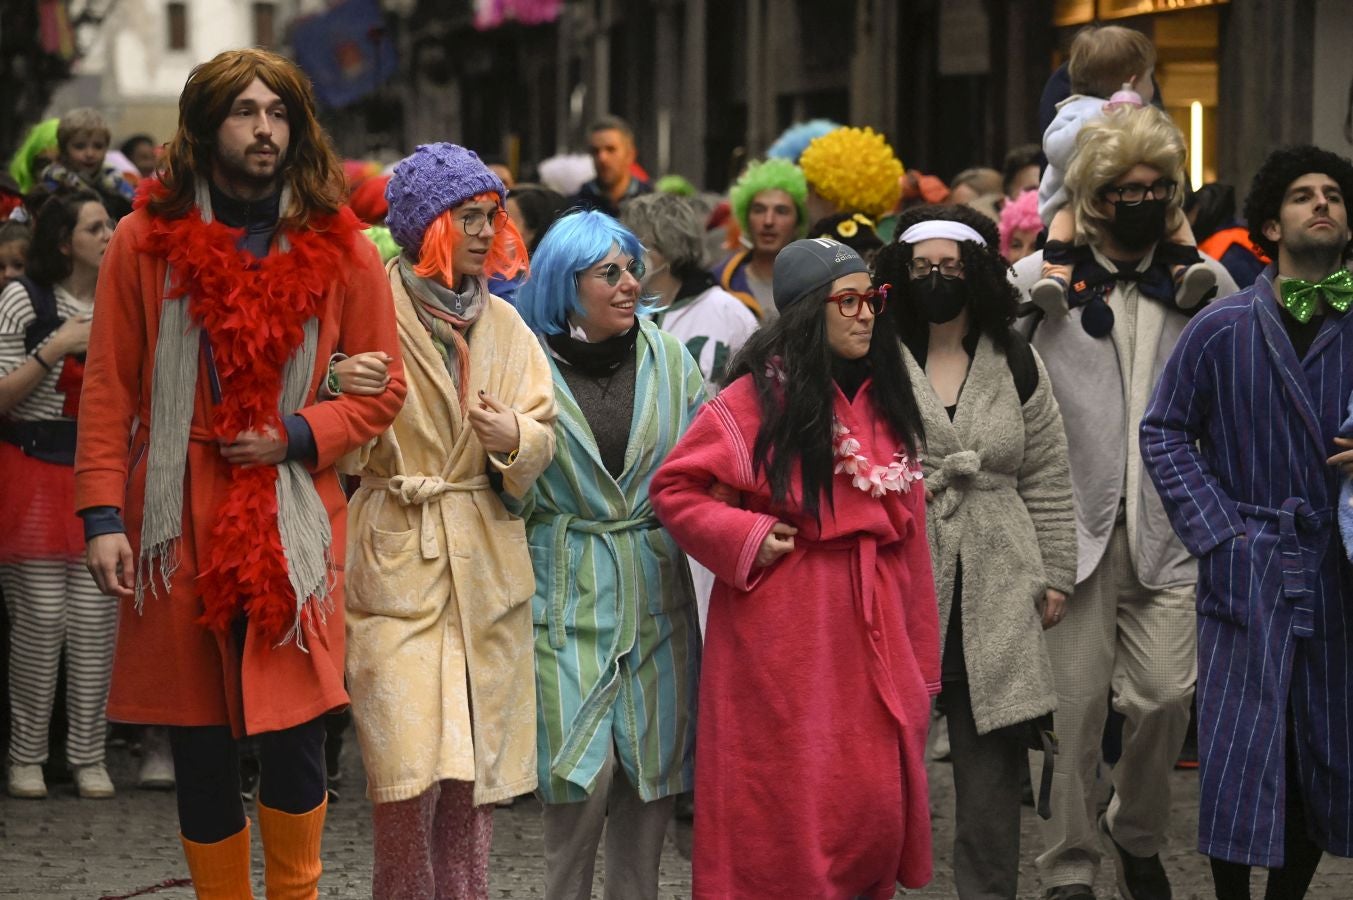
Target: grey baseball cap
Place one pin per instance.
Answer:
(806, 265)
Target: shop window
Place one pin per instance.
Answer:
(1186, 35)
(1187, 71)
(1120, 9)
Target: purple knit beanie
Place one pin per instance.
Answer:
(433, 179)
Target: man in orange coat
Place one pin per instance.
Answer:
(204, 470)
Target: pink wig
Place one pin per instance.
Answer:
(1020, 214)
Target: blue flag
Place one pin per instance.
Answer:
(346, 51)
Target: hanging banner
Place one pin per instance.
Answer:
(490, 14)
(346, 51)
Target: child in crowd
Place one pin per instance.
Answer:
(1020, 226)
(14, 238)
(82, 139)
(1113, 64)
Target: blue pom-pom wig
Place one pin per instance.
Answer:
(796, 138)
(574, 243)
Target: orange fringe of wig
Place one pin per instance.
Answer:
(507, 254)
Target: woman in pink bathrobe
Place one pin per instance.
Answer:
(799, 487)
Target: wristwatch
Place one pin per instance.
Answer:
(332, 383)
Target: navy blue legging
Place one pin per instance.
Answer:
(207, 769)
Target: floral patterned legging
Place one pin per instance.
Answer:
(435, 845)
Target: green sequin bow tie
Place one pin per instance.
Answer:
(1300, 298)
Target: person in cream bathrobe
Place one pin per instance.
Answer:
(440, 644)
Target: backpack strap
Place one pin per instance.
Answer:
(46, 318)
(1019, 355)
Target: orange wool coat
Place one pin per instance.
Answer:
(167, 668)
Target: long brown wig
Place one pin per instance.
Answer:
(310, 167)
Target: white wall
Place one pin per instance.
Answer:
(128, 66)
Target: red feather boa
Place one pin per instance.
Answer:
(254, 312)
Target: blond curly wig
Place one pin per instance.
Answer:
(1111, 145)
(855, 170)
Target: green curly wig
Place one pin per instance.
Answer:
(771, 175)
(855, 170)
(675, 184)
(41, 136)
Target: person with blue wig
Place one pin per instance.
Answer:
(617, 642)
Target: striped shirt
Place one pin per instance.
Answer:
(16, 314)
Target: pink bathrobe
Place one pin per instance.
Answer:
(818, 670)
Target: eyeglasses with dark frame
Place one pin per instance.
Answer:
(473, 220)
(920, 268)
(1133, 193)
(611, 271)
(851, 302)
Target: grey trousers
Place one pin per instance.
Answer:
(987, 794)
(634, 830)
(1122, 636)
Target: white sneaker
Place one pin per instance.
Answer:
(92, 782)
(25, 781)
(157, 763)
(1049, 295)
(1194, 284)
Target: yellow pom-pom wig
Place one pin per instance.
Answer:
(854, 169)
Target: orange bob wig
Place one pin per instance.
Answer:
(507, 254)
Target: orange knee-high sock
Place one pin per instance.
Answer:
(291, 864)
(221, 870)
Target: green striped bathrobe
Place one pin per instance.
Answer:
(617, 641)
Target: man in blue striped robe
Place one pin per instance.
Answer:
(1240, 440)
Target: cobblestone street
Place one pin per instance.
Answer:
(68, 849)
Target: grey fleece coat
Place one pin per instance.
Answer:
(1001, 489)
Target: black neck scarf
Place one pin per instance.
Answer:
(594, 359)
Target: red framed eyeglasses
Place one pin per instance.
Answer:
(850, 302)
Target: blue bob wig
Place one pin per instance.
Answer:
(573, 243)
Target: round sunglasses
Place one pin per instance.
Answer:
(612, 271)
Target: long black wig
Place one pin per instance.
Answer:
(796, 417)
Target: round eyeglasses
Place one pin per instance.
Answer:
(612, 271)
(920, 268)
(474, 220)
(1133, 192)
(851, 302)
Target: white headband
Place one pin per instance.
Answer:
(941, 228)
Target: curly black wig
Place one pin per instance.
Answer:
(796, 418)
(992, 299)
(1274, 177)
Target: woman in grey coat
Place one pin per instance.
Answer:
(1000, 518)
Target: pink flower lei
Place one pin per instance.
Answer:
(874, 480)
(896, 477)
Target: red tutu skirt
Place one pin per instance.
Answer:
(37, 509)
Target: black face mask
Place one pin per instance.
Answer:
(941, 299)
(1138, 227)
